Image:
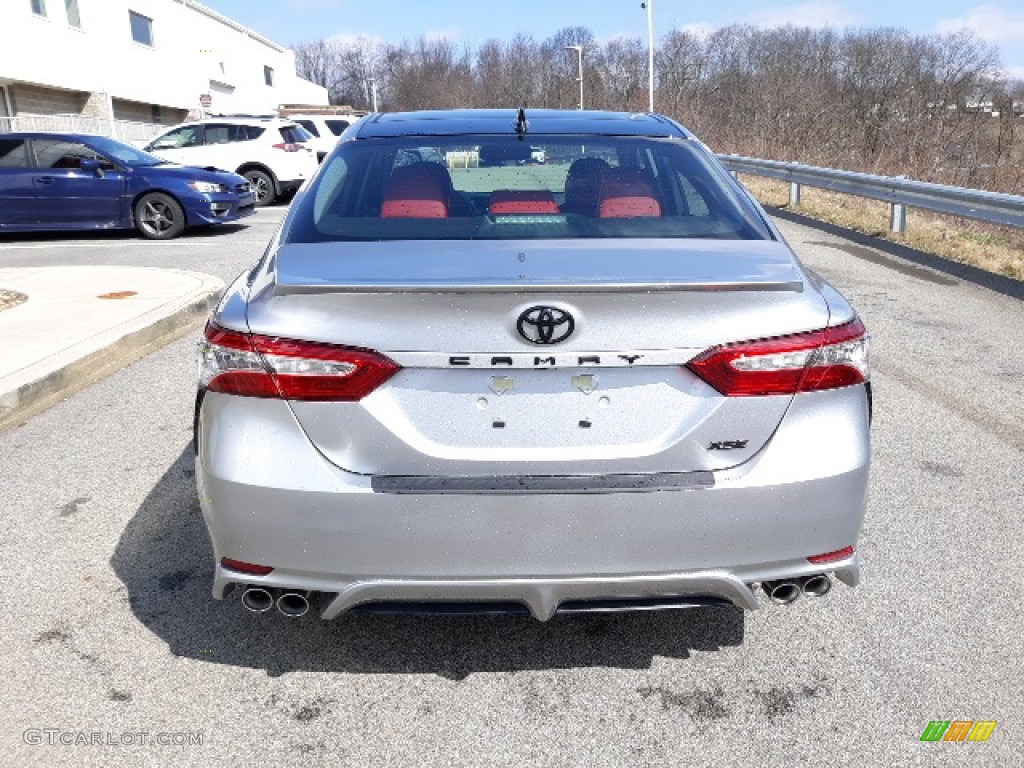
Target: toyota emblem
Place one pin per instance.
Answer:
(545, 325)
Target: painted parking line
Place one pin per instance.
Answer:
(127, 244)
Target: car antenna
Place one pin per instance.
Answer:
(522, 124)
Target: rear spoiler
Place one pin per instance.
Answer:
(571, 266)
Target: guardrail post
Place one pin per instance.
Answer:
(897, 218)
(794, 193)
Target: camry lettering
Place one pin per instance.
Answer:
(535, 361)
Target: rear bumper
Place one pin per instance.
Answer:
(268, 497)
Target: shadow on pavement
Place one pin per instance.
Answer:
(164, 559)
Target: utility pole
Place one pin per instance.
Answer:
(373, 92)
(579, 59)
(650, 52)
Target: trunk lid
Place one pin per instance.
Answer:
(475, 397)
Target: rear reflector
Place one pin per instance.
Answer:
(238, 565)
(244, 364)
(804, 362)
(831, 557)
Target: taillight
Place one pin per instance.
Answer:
(266, 366)
(803, 362)
(290, 147)
(244, 567)
(831, 557)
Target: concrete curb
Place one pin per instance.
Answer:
(145, 334)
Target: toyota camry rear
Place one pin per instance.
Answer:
(462, 381)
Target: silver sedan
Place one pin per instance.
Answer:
(459, 380)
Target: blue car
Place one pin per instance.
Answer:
(58, 181)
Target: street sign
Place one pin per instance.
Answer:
(205, 100)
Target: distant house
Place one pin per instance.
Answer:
(127, 67)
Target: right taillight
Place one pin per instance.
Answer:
(804, 362)
(267, 366)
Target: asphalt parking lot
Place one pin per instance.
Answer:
(110, 629)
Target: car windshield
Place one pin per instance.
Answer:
(124, 153)
(498, 187)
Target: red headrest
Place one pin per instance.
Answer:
(627, 194)
(419, 190)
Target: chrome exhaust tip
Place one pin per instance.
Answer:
(257, 599)
(815, 586)
(781, 592)
(293, 604)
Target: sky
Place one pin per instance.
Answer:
(473, 21)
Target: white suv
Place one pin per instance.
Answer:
(273, 154)
(325, 130)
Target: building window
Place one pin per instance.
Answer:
(142, 28)
(39, 7)
(154, 114)
(74, 19)
(268, 75)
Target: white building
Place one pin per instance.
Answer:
(124, 67)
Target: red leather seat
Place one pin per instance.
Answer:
(627, 194)
(418, 191)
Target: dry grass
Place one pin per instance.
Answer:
(989, 247)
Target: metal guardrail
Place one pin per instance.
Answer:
(900, 193)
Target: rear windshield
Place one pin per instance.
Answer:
(488, 187)
(337, 126)
(309, 126)
(295, 134)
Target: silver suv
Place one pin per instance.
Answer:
(273, 154)
(461, 381)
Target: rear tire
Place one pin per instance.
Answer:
(262, 187)
(159, 216)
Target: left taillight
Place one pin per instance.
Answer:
(289, 146)
(804, 362)
(250, 365)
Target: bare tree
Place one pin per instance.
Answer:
(876, 99)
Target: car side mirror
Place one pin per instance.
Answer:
(91, 165)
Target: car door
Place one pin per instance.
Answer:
(67, 195)
(224, 146)
(17, 196)
(182, 145)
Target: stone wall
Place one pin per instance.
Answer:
(46, 101)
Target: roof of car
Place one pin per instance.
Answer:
(503, 121)
(71, 135)
(241, 120)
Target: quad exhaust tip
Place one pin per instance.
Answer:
(785, 591)
(293, 604)
(257, 599)
(781, 592)
(815, 586)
